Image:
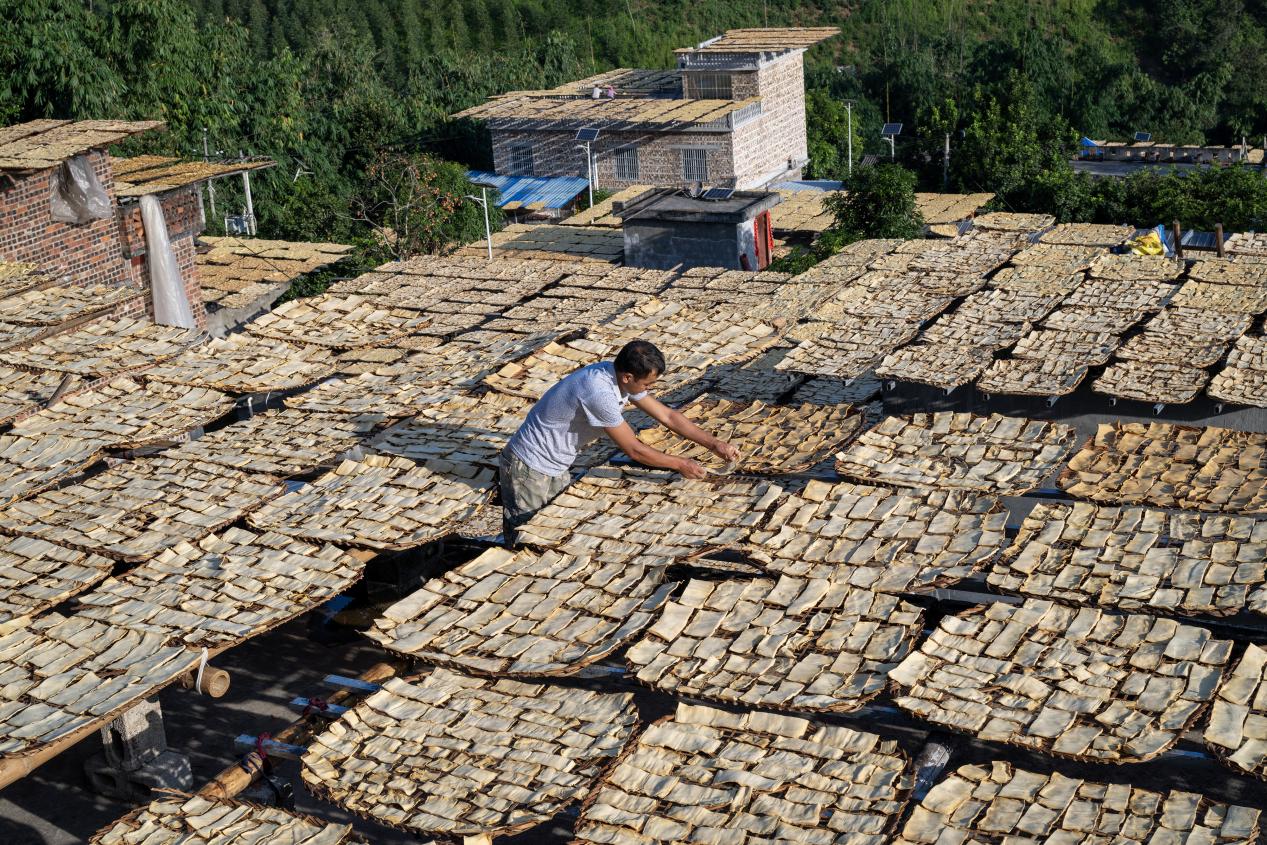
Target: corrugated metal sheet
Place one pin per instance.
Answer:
(1207, 241)
(531, 192)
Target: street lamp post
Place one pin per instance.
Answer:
(849, 120)
(589, 170)
(482, 199)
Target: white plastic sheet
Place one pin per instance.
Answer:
(171, 303)
(77, 194)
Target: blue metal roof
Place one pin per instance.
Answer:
(531, 192)
(808, 185)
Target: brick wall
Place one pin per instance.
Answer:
(659, 155)
(182, 210)
(184, 223)
(763, 146)
(110, 251)
(660, 158)
(85, 254)
(744, 84)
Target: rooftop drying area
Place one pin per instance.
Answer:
(41, 144)
(1058, 587)
(142, 175)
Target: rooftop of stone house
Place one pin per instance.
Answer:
(636, 111)
(573, 103)
(764, 40)
(41, 144)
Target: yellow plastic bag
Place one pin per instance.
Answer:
(1149, 244)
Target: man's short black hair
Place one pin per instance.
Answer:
(640, 359)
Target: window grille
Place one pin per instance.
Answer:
(627, 164)
(521, 160)
(695, 165)
(712, 86)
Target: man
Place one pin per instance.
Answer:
(536, 464)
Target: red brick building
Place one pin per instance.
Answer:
(110, 249)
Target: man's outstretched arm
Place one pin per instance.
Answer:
(624, 437)
(677, 422)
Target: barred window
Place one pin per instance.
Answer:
(695, 165)
(627, 163)
(521, 160)
(712, 86)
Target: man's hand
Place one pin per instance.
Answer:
(690, 469)
(624, 437)
(724, 450)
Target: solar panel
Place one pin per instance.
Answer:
(718, 193)
(891, 129)
(1143, 136)
(587, 134)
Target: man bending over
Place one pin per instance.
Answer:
(537, 462)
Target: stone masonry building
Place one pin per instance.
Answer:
(731, 115)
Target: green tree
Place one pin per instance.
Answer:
(257, 23)
(416, 204)
(174, 73)
(827, 128)
(879, 203)
(1071, 197)
(50, 62)
(1004, 144)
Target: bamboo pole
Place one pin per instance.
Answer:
(237, 777)
(215, 682)
(15, 768)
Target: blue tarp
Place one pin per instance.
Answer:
(531, 192)
(1087, 142)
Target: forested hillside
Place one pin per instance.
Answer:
(1190, 70)
(334, 89)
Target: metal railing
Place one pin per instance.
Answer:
(728, 61)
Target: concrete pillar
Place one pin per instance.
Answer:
(135, 759)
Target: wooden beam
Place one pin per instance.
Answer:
(242, 774)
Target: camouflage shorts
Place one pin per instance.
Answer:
(524, 492)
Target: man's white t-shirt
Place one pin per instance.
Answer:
(568, 416)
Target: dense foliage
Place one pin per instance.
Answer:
(333, 88)
(879, 203)
(1233, 196)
